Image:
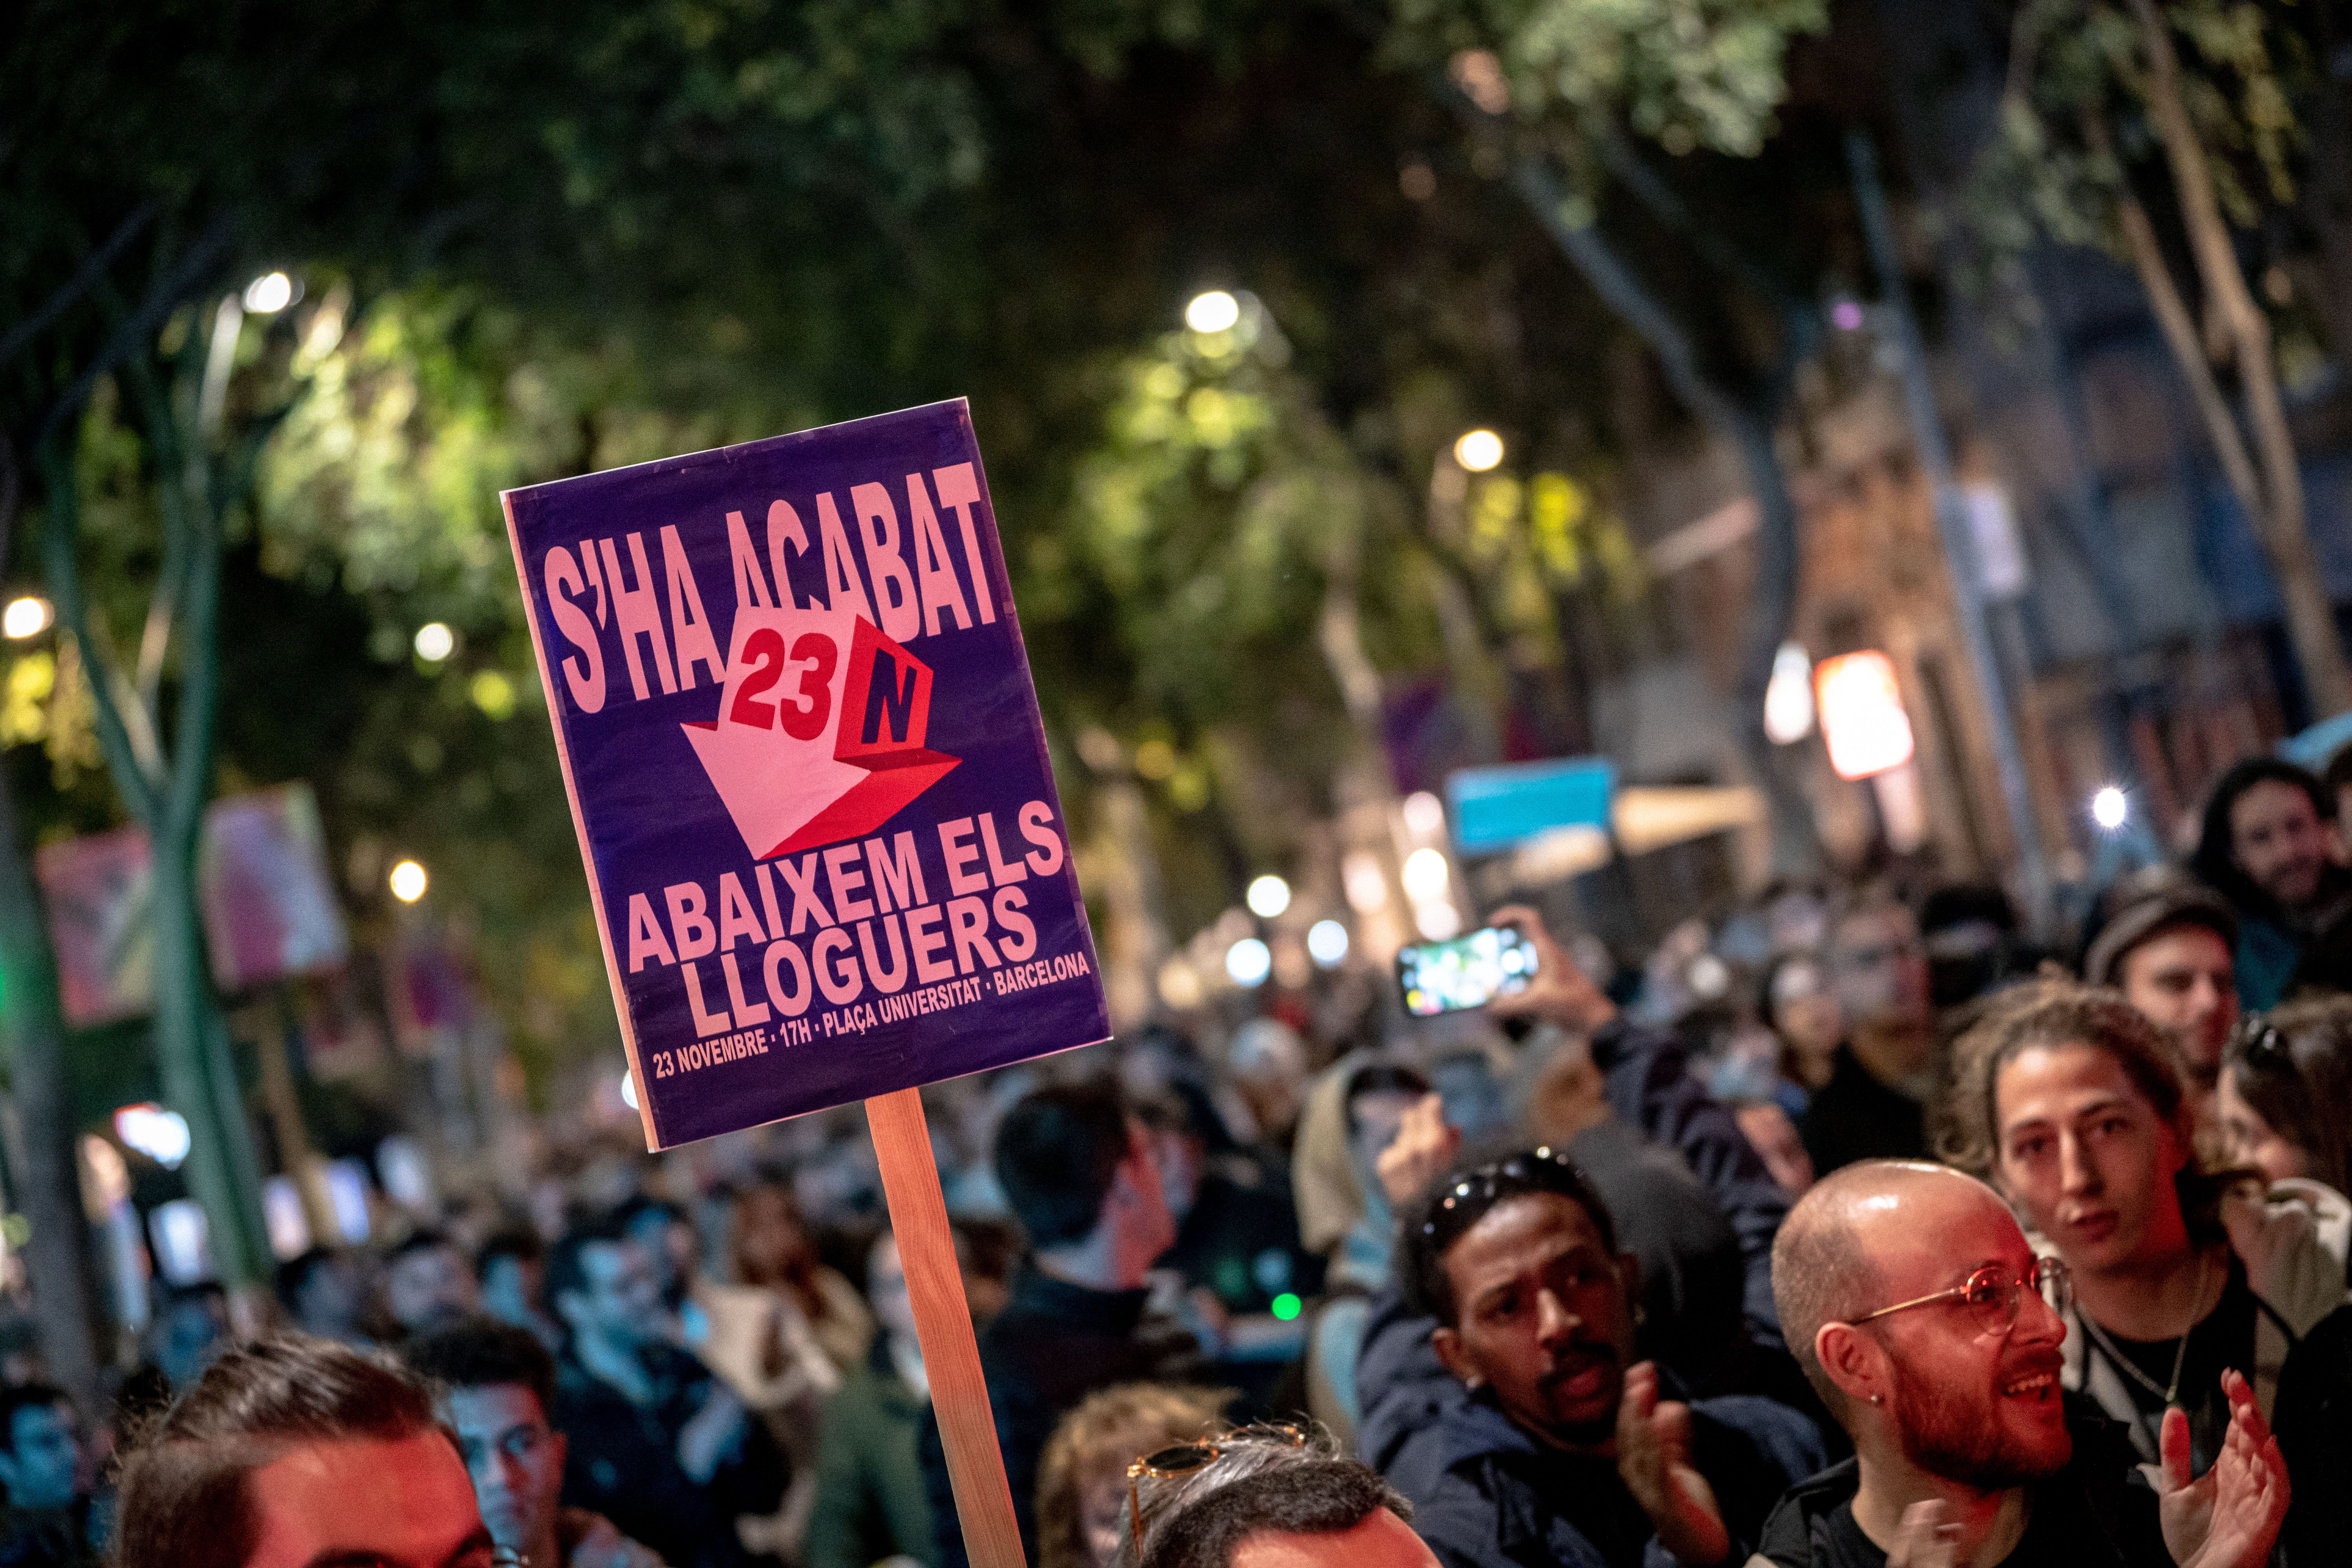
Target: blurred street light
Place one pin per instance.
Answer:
(408, 881)
(1425, 876)
(1478, 450)
(269, 293)
(629, 1090)
(1213, 311)
(1425, 813)
(434, 642)
(1438, 920)
(25, 618)
(1327, 943)
(1862, 716)
(1788, 699)
(1366, 884)
(162, 1135)
(1268, 897)
(2110, 808)
(1248, 962)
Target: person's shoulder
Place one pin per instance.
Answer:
(1789, 1437)
(1789, 1537)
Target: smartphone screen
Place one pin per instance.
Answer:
(1465, 970)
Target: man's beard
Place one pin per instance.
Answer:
(1946, 1435)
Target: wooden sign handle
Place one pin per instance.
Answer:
(919, 1219)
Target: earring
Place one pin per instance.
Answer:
(1878, 1399)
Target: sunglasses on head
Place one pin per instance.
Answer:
(1182, 1460)
(2258, 1042)
(1486, 1181)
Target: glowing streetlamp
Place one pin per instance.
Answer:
(1268, 897)
(269, 294)
(26, 618)
(1478, 450)
(1213, 311)
(2110, 808)
(408, 881)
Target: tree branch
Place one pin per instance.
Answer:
(86, 278)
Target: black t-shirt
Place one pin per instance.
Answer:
(2224, 1339)
(2056, 1536)
(1856, 1117)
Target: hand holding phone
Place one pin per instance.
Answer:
(1465, 972)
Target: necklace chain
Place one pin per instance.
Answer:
(2179, 1356)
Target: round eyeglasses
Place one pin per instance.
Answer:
(1991, 1294)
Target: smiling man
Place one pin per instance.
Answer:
(1565, 1453)
(1933, 1332)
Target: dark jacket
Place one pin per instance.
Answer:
(71, 1536)
(1647, 1078)
(623, 1462)
(1495, 1501)
(2092, 1514)
(1856, 1117)
(1051, 1346)
(870, 1502)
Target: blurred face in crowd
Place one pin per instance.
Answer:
(2086, 1156)
(1137, 1207)
(885, 1286)
(428, 1289)
(1542, 1315)
(1774, 1137)
(515, 1460)
(330, 1302)
(1182, 1158)
(42, 1462)
(1805, 1010)
(2279, 842)
(770, 1243)
(510, 1288)
(1381, 1540)
(403, 1503)
(1971, 1400)
(2185, 981)
(187, 1335)
(621, 1303)
(1878, 970)
(669, 1245)
(2254, 1141)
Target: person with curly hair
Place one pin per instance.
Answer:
(1082, 1477)
(2065, 1098)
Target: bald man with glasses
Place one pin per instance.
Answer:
(1931, 1329)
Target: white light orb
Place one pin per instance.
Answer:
(408, 881)
(1425, 876)
(1326, 943)
(629, 1090)
(25, 617)
(1249, 961)
(1788, 699)
(1213, 311)
(1425, 813)
(1268, 897)
(162, 1135)
(1437, 921)
(434, 642)
(1478, 450)
(2110, 808)
(1366, 884)
(269, 293)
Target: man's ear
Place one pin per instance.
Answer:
(1456, 1356)
(1853, 1361)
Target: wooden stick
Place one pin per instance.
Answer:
(919, 1219)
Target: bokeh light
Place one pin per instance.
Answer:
(1268, 897)
(1326, 943)
(25, 618)
(434, 642)
(408, 881)
(1213, 311)
(1478, 450)
(1249, 961)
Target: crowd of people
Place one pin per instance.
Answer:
(1850, 1229)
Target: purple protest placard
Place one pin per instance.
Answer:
(807, 769)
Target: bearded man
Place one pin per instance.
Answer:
(1932, 1331)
